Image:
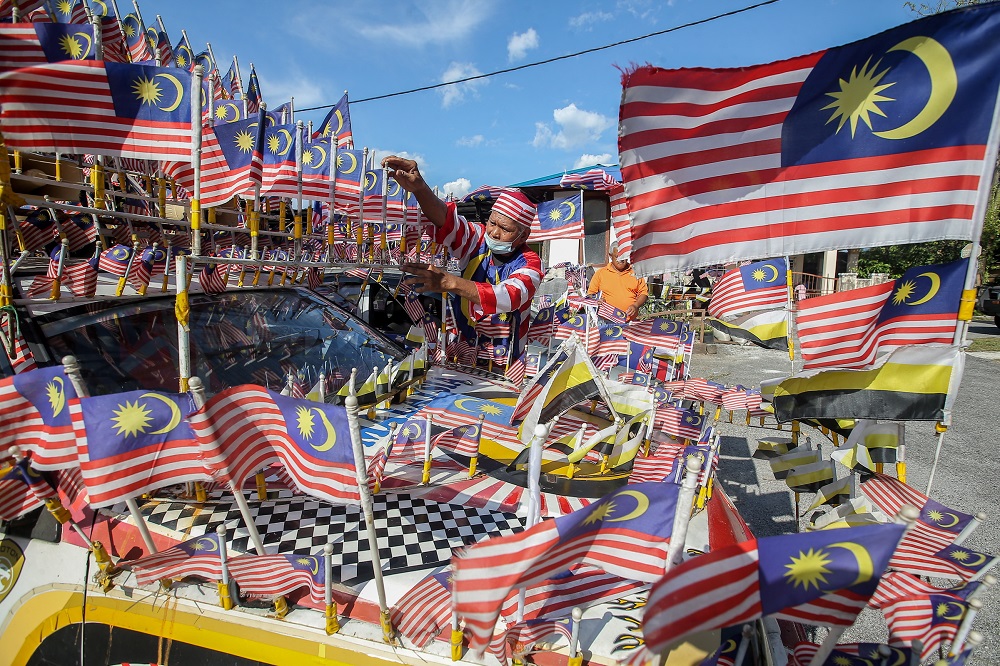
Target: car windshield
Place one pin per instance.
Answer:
(236, 338)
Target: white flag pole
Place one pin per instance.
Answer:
(351, 403)
(682, 514)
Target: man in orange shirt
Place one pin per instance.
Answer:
(618, 285)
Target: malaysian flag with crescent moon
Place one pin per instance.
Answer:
(198, 557)
(247, 427)
(97, 107)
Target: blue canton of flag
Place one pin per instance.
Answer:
(798, 568)
(183, 55)
(149, 93)
(926, 290)
(764, 274)
(337, 123)
(34, 407)
(318, 430)
(562, 218)
(62, 41)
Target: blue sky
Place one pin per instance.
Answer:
(511, 127)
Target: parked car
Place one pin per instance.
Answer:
(989, 302)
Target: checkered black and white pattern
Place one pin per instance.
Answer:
(412, 533)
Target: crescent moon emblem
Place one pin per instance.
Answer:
(90, 44)
(949, 604)
(728, 646)
(944, 84)
(954, 520)
(210, 545)
(288, 141)
(180, 92)
(322, 151)
(331, 434)
(774, 269)
(572, 209)
(175, 413)
(900, 658)
(973, 564)
(393, 192)
(575, 320)
(642, 503)
(373, 181)
(340, 121)
(102, 5)
(866, 568)
(236, 110)
(458, 403)
(354, 162)
(615, 331)
(186, 52)
(60, 398)
(935, 286)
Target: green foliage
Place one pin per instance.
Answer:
(895, 259)
(943, 5)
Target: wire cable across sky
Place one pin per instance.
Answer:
(551, 60)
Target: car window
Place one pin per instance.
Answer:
(236, 337)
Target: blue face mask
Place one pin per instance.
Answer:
(499, 247)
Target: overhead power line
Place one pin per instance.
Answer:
(551, 60)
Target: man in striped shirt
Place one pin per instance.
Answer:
(499, 273)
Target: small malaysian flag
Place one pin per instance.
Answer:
(463, 440)
(593, 179)
(423, 612)
(609, 312)
(930, 619)
(36, 230)
(680, 423)
(414, 307)
(898, 585)
(516, 371)
(214, 278)
(198, 557)
(22, 489)
(281, 574)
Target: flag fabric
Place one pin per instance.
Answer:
(758, 286)
(850, 654)
(424, 611)
(228, 163)
(463, 440)
(103, 108)
(135, 38)
(767, 329)
(810, 478)
(766, 576)
(659, 332)
(609, 312)
(582, 586)
(730, 164)
(29, 44)
(898, 584)
(621, 223)
(317, 178)
(592, 179)
(245, 428)
(135, 442)
(677, 422)
(850, 329)
(566, 380)
(562, 218)
(22, 489)
(624, 534)
(913, 383)
(253, 96)
(281, 574)
(522, 637)
(337, 123)
(278, 171)
(214, 278)
(17, 350)
(183, 56)
(198, 557)
(36, 230)
(930, 619)
(33, 405)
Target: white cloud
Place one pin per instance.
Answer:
(576, 128)
(416, 24)
(379, 154)
(587, 20)
(587, 160)
(293, 83)
(457, 188)
(519, 44)
(471, 141)
(457, 92)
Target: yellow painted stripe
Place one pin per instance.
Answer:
(896, 377)
(50, 610)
